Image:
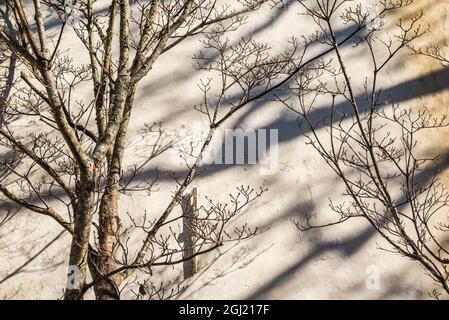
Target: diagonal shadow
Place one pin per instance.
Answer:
(37, 254)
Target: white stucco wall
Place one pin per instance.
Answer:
(280, 262)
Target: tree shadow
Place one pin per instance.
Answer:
(22, 267)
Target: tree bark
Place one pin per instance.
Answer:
(80, 239)
(109, 219)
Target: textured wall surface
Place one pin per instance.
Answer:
(280, 262)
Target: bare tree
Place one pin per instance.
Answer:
(71, 170)
(371, 143)
(77, 159)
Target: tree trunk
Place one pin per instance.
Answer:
(80, 239)
(108, 215)
(107, 239)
